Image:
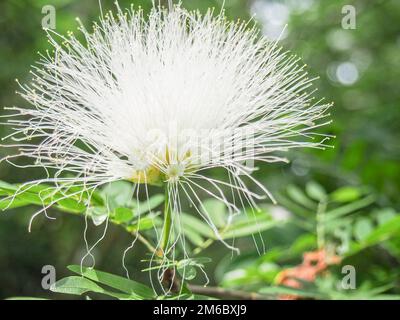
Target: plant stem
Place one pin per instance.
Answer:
(144, 241)
(203, 246)
(226, 293)
(321, 223)
(167, 222)
(208, 242)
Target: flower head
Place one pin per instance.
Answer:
(161, 99)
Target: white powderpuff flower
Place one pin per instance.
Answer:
(161, 99)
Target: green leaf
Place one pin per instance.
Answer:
(117, 194)
(362, 228)
(348, 208)
(7, 188)
(187, 272)
(122, 215)
(98, 215)
(346, 194)
(79, 285)
(71, 205)
(250, 224)
(193, 236)
(249, 228)
(187, 267)
(385, 231)
(41, 195)
(298, 196)
(75, 285)
(299, 210)
(28, 197)
(146, 223)
(216, 210)
(378, 235)
(16, 203)
(306, 241)
(385, 215)
(149, 205)
(133, 288)
(197, 225)
(316, 191)
(241, 227)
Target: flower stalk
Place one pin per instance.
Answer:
(167, 223)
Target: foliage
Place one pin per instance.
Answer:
(346, 221)
(353, 210)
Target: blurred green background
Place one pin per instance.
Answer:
(359, 70)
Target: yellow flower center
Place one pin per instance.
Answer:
(151, 175)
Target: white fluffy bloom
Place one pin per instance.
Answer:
(161, 99)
